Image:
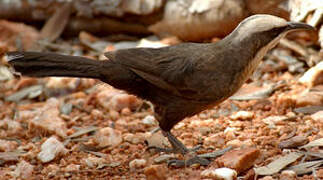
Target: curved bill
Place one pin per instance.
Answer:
(299, 26)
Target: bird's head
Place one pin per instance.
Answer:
(263, 30)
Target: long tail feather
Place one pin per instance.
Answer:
(38, 64)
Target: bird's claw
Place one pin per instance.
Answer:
(189, 162)
(159, 149)
(172, 150)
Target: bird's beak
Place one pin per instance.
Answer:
(299, 26)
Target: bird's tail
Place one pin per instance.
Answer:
(38, 64)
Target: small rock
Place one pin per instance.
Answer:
(293, 142)
(134, 138)
(115, 100)
(164, 158)
(51, 170)
(156, 172)
(239, 160)
(314, 76)
(219, 174)
(267, 178)
(309, 98)
(242, 115)
(5, 73)
(179, 125)
(215, 140)
(12, 32)
(149, 120)
(108, 137)
(10, 128)
(318, 117)
(137, 163)
(205, 130)
(48, 119)
(272, 120)
(97, 114)
(320, 173)
(62, 83)
(150, 44)
(51, 149)
(230, 133)
(72, 167)
(287, 175)
(285, 101)
(238, 143)
(94, 162)
(24, 170)
(157, 139)
(6, 146)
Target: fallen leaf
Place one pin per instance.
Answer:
(306, 167)
(315, 143)
(83, 131)
(278, 164)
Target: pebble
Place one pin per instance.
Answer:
(267, 178)
(51, 149)
(134, 138)
(48, 119)
(137, 163)
(115, 100)
(272, 120)
(215, 140)
(94, 162)
(242, 115)
(318, 117)
(72, 167)
(10, 128)
(108, 137)
(314, 76)
(51, 170)
(24, 170)
(157, 139)
(288, 175)
(239, 160)
(230, 133)
(149, 120)
(219, 174)
(237, 143)
(156, 172)
(309, 98)
(6, 146)
(62, 83)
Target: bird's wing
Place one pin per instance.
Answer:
(170, 68)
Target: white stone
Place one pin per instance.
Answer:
(242, 115)
(51, 149)
(220, 173)
(149, 120)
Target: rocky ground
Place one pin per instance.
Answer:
(72, 128)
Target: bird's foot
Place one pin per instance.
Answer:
(173, 150)
(201, 159)
(189, 162)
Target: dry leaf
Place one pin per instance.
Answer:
(277, 165)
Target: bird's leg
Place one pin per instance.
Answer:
(179, 147)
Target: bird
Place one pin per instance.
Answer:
(180, 80)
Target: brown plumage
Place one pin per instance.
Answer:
(180, 80)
